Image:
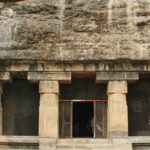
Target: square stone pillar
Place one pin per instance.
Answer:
(48, 109)
(117, 123)
(1, 110)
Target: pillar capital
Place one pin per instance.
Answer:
(49, 87)
(117, 87)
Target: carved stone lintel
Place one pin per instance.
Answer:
(116, 76)
(45, 76)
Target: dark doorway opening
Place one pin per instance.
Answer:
(83, 114)
(139, 108)
(20, 108)
(82, 103)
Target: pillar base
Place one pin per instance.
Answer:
(118, 134)
(47, 144)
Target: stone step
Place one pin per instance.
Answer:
(92, 144)
(83, 141)
(84, 146)
(16, 149)
(122, 148)
(95, 149)
(25, 148)
(91, 149)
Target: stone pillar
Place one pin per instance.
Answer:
(117, 125)
(1, 110)
(48, 110)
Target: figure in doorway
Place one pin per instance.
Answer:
(76, 129)
(90, 126)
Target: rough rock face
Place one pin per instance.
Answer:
(75, 30)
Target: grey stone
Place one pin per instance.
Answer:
(60, 76)
(7, 12)
(119, 76)
(75, 30)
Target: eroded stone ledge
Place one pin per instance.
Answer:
(40, 66)
(116, 76)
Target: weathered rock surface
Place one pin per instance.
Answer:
(75, 30)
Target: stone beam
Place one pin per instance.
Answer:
(68, 55)
(75, 67)
(44, 76)
(5, 76)
(116, 76)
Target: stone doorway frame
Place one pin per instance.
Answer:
(94, 117)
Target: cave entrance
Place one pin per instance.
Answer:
(83, 118)
(83, 109)
(83, 115)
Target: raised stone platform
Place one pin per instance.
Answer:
(37, 143)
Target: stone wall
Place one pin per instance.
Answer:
(75, 30)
